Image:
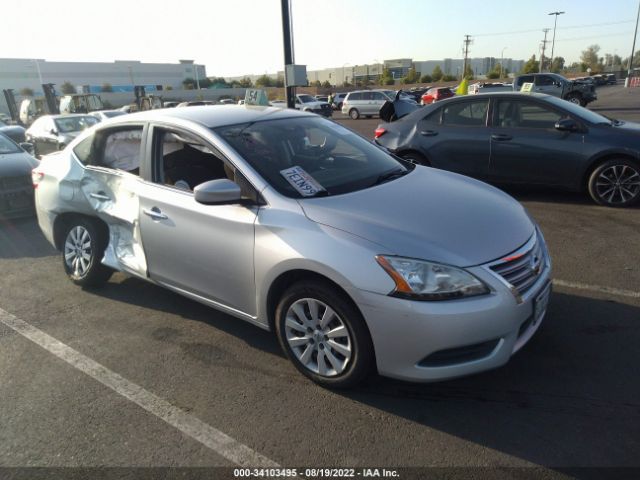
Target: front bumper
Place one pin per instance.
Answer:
(431, 341)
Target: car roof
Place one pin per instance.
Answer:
(218, 115)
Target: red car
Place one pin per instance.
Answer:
(435, 94)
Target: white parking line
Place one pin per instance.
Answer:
(219, 442)
(597, 288)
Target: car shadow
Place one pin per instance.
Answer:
(22, 238)
(528, 193)
(134, 291)
(570, 398)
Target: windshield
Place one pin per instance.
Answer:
(329, 156)
(306, 98)
(579, 111)
(7, 146)
(75, 124)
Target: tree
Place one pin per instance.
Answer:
(316, 84)
(437, 74)
(411, 77)
(426, 79)
(26, 92)
(67, 88)
(386, 78)
(636, 60)
(244, 83)
(264, 81)
(189, 83)
(106, 87)
(449, 78)
(557, 65)
(279, 81)
(590, 57)
(326, 84)
(532, 65)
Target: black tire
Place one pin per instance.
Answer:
(615, 183)
(361, 361)
(576, 98)
(415, 157)
(92, 273)
(354, 114)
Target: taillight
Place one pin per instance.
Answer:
(36, 177)
(379, 132)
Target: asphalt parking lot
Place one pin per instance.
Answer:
(132, 375)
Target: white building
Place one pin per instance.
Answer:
(122, 75)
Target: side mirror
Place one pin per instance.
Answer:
(217, 192)
(567, 125)
(53, 131)
(27, 146)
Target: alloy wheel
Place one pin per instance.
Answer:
(618, 184)
(318, 337)
(77, 251)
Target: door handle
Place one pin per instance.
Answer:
(428, 133)
(155, 213)
(100, 196)
(501, 137)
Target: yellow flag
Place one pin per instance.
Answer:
(463, 88)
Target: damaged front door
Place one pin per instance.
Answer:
(111, 185)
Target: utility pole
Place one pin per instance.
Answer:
(467, 42)
(287, 35)
(633, 48)
(553, 42)
(544, 45)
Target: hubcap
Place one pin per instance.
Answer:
(618, 184)
(318, 337)
(77, 250)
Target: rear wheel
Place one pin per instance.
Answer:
(324, 335)
(354, 114)
(615, 183)
(416, 158)
(82, 250)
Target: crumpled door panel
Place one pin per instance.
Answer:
(113, 196)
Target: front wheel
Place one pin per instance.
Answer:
(324, 335)
(354, 114)
(615, 183)
(576, 99)
(83, 248)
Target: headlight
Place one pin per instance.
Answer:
(422, 280)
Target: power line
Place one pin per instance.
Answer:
(559, 28)
(595, 37)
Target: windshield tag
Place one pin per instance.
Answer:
(305, 184)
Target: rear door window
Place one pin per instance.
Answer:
(466, 114)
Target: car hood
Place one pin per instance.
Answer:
(430, 214)
(314, 104)
(16, 164)
(628, 127)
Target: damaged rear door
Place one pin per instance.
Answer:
(111, 185)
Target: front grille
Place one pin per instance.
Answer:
(522, 270)
(9, 183)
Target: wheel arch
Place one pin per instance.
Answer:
(599, 159)
(62, 221)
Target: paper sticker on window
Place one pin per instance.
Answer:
(304, 183)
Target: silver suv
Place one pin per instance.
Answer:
(357, 260)
(366, 102)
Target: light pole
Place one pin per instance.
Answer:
(633, 48)
(502, 61)
(553, 42)
(35, 60)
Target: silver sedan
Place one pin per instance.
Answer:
(357, 260)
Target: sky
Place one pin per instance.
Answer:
(237, 38)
